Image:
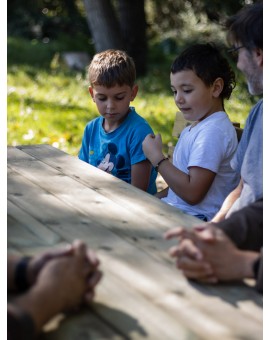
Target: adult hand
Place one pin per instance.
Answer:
(64, 283)
(210, 246)
(94, 276)
(152, 148)
(189, 257)
(37, 263)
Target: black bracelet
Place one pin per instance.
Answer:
(20, 279)
(162, 160)
(256, 266)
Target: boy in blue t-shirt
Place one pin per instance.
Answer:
(113, 141)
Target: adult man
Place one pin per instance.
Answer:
(206, 253)
(245, 31)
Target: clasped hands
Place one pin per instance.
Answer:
(206, 254)
(74, 269)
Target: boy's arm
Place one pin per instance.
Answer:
(140, 174)
(162, 193)
(191, 187)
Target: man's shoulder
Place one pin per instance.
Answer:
(255, 114)
(258, 107)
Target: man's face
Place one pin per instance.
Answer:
(250, 63)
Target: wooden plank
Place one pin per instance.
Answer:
(136, 271)
(109, 186)
(25, 230)
(83, 325)
(130, 286)
(149, 285)
(137, 225)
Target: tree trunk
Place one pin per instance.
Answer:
(133, 28)
(103, 25)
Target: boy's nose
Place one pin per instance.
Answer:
(179, 98)
(110, 104)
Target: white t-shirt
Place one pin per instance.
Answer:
(210, 144)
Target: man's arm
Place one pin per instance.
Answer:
(74, 278)
(228, 202)
(216, 257)
(200, 252)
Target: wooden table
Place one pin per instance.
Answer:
(54, 198)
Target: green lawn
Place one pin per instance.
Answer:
(47, 103)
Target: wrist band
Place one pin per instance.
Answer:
(162, 160)
(20, 279)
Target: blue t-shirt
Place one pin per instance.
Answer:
(248, 159)
(115, 152)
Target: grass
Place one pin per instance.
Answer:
(47, 103)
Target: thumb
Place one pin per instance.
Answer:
(208, 232)
(79, 249)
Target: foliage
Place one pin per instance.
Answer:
(51, 105)
(48, 103)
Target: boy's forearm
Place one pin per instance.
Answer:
(163, 193)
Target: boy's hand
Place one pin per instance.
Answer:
(152, 148)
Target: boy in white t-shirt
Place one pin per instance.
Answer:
(200, 177)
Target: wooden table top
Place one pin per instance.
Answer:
(54, 198)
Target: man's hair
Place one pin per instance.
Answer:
(112, 67)
(246, 27)
(208, 64)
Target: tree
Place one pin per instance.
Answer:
(121, 26)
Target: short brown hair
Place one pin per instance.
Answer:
(112, 67)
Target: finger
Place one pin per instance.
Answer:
(94, 279)
(207, 232)
(80, 257)
(194, 269)
(186, 248)
(64, 251)
(209, 279)
(175, 232)
(92, 258)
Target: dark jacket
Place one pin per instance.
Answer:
(245, 229)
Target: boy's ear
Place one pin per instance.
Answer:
(90, 89)
(218, 87)
(134, 92)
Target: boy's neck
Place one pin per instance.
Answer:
(110, 126)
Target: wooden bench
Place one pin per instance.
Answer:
(180, 123)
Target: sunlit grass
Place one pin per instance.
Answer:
(52, 106)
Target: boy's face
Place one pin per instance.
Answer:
(193, 98)
(113, 103)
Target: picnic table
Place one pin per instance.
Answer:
(54, 198)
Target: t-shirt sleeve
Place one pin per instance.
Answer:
(84, 150)
(137, 137)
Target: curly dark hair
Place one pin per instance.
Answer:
(208, 64)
